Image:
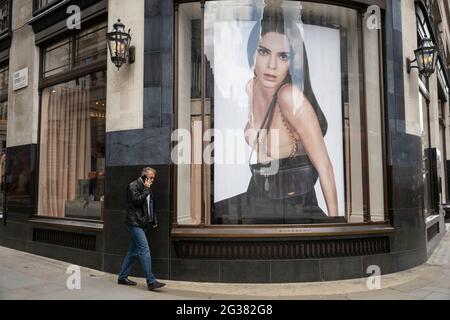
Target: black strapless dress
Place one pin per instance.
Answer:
(254, 207)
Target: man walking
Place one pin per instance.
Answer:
(139, 217)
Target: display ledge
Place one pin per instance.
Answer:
(280, 231)
(68, 225)
(432, 220)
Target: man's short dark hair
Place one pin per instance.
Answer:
(147, 169)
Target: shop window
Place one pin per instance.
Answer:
(5, 7)
(73, 126)
(41, 4)
(426, 155)
(4, 72)
(86, 47)
(442, 157)
(72, 148)
(91, 45)
(57, 58)
(297, 71)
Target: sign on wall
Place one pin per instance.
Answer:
(20, 79)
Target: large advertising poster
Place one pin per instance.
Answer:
(278, 147)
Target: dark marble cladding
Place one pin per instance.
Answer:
(286, 271)
(158, 72)
(410, 259)
(245, 271)
(394, 89)
(118, 178)
(386, 262)
(117, 238)
(406, 169)
(152, 62)
(407, 188)
(153, 7)
(410, 230)
(1, 232)
(21, 178)
(160, 268)
(195, 270)
(19, 236)
(139, 147)
(153, 37)
(153, 112)
(75, 256)
(17, 230)
(340, 269)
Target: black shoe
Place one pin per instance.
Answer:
(155, 285)
(126, 282)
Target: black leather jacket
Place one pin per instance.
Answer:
(137, 207)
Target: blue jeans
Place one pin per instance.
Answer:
(138, 248)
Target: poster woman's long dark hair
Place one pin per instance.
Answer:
(273, 21)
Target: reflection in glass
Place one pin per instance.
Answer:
(91, 45)
(426, 174)
(86, 47)
(72, 148)
(57, 58)
(39, 4)
(3, 128)
(4, 78)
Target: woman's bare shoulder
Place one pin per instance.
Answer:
(292, 101)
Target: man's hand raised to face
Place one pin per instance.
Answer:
(148, 183)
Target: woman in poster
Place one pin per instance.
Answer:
(281, 101)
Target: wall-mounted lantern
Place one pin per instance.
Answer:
(119, 45)
(426, 58)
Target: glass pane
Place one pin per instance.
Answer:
(4, 16)
(4, 80)
(3, 127)
(43, 3)
(189, 115)
(441, 166)
(91, 45)
(57, 58)
(427, 200)
(374, 124)
(72, 148)
(286, 75)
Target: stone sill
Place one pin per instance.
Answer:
(240, 232)
(68, 225)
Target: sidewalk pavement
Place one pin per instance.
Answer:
(27, 276)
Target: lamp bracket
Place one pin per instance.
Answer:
(409, 65)
(132, 55)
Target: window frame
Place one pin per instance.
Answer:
(4, 98)
(37, 8)
(72, 74)
(205, 230)
(74, 70)
(7, 31)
